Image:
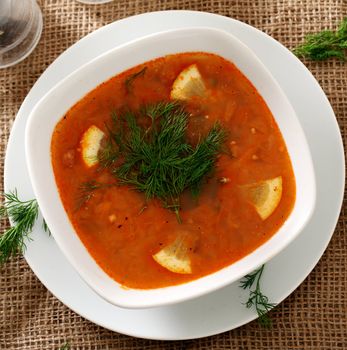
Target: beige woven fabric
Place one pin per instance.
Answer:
(313, 317)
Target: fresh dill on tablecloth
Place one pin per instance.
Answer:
(65, 346)
(325, 44)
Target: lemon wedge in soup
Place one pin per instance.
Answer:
(174, 257)
(188, 83)
(90, 145)
(265, 196)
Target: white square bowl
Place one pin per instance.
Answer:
(51, 108)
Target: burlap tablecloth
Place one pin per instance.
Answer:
(313, 317)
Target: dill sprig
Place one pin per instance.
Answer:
(109, 155)
(325, 44)
(130, 79)
(256, 298)
(23, 215)
(45, 227)
(65, 346)
(155, 158)
(86, 191)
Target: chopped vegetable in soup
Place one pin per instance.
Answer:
(172, 170)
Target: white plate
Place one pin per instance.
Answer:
(222, 310)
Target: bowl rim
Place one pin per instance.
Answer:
(46, 212)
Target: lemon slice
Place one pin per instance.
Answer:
(188, 83)
(174, 257)
(90, 145)
(266, 196)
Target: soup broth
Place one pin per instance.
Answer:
(242, 202)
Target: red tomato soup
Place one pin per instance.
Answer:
(144, 241)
